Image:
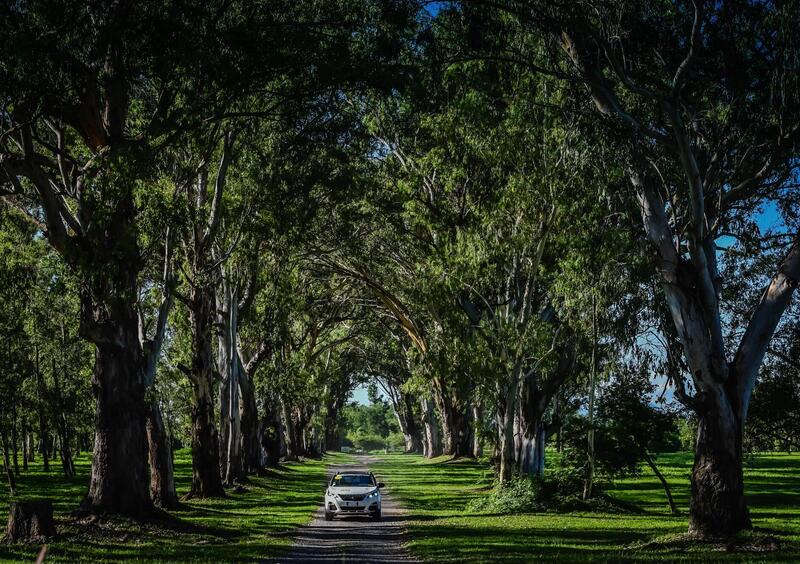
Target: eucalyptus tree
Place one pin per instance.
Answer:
(202, 190)
(90, 94)
(701, 101)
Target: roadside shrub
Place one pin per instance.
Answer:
(368, 441)
(687, 432)
(396, 441)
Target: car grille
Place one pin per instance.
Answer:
(351, 497)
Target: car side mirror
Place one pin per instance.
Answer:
(380, 485)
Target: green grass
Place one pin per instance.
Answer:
(249, 526)
(436, 492)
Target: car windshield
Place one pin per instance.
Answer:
(352, 481)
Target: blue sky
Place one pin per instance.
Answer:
(359, 394)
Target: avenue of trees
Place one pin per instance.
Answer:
(527, 225)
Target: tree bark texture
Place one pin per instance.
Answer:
(120, 474)
(162, 479)
(432, 445)
(30, 521)
(206, 476)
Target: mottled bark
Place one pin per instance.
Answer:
(531, 455)
(477, 438)
(206, 476)
(506, 414)
(454, 413)
(270, 433)
(120, 474)
(12, 482)
(290, 439)
(30, 521)
(162, 479)
(432, 446)
(717, 507)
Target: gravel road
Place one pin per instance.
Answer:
(353, 539)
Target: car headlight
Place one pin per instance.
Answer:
(373, 495)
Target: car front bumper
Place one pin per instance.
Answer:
(365, 507)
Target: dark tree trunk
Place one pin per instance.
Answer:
(718, 507)
(333, 440)
(25, 444)
(271, 442)
(14, 438)
(162, 480)
(251, 438)
(30, 521)
(432, 446)
(224, 417)
(12, 483)
(456, 428)
(531, 455)
(411, 431)
(43, 446)
(206, 478)
(290, 438)
(206, 475)
(667, 491)
(120, 473)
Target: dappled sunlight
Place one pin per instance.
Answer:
(442, 529)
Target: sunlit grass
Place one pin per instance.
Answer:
(247, 526)
(436, 493)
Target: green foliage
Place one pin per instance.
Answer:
(370, 427)
(435, 492)
(219, 530)
(687, 433)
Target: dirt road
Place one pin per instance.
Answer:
(353, 539)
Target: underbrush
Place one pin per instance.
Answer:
(559, 491)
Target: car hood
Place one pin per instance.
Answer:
(353, 491)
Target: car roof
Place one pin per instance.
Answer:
(361, 473)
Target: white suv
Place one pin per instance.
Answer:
(353, 493)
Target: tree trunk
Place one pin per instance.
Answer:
(651, 463)
(432, 443)
(477, 436)
(162, 480)
(30, 521)
(718, 507)
(333, 440)
(25, 445)
(411, 434)
(252, 451)
(43, 446)
(587, 487)
(289, 433)
(506, 411)
(224, 410)
(456, 430)
(14, 438)
(12, 483)
(234, 465)
(119, 464)
(531, 456)
(31, 446)
(206, 476)
(271, 438)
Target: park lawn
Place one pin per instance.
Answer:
(247, 526)
(435, 493)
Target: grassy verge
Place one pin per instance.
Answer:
(436, 492)
(248, 526)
